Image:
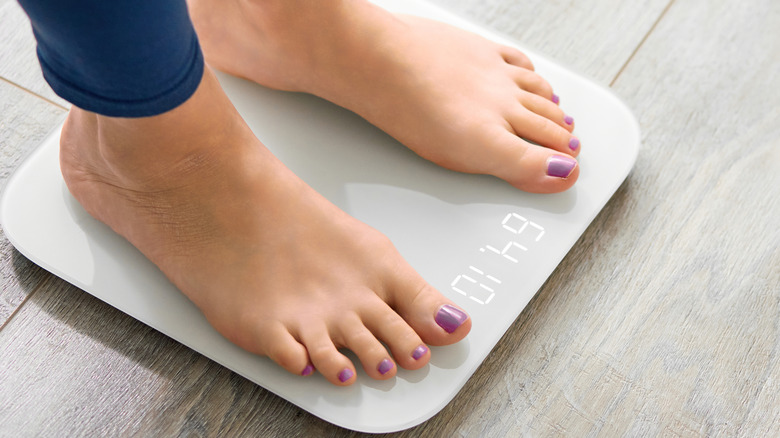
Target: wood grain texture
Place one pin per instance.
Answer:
(704, 85)
(662, 320)
(592, 37)
(24, 121)
(74, 366)
(17, 51)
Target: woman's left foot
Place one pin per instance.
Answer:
(457, 99)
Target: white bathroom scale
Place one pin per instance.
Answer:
(486, 245)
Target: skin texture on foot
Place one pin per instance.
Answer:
(276, 268)
(454, 98)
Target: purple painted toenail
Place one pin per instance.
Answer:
(345, 375)
(574, 144)
(568, 120)
(419, 352)
(308, 370)
(450, 318)
(556, 99)
(385, 366)
(560, 166)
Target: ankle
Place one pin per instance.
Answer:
(143, 153)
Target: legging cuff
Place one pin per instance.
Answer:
(119, 58)
(131, 104)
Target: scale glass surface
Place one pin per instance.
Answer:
(486, 245)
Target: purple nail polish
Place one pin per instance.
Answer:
(308, 370)
(345, 375)
(419, 352)
(450, 318)
(385, 366)
(568, 120)
(560, 166)
(574, 143)
(556, 99)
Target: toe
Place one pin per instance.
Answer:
(427, 311)
(517, 58)
(407, 348)
(547, 109)
(372, 354)
(544, 131)
(326, 358)
(535, 168)
(530, 81)
(279, 345)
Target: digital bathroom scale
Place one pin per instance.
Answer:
(487, 246)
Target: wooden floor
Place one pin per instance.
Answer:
(664, 319)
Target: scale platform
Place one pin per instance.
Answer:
(486, 245)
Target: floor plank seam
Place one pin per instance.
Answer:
(27, 90)
(642, 42)
(21, 304)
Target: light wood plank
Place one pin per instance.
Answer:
(24, 121)
(17, 51)
(593, 37)
(713, 169)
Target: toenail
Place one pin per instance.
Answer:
(560, 166)
(574, 143)
(419, 352)
(556, 99)
(568, 120)
(385, 366)
(450, 318)
(308, 370)
(345, 375)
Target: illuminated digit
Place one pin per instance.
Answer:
(541, 231)
(509, 246)
(503, 252)
(516, 216)
(478, 289)
(525, 224)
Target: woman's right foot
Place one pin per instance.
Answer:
(275, 267)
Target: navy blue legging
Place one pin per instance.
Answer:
(120, 58)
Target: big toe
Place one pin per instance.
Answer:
(535, 168)
(435, 318)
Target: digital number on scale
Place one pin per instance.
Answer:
(477, 284)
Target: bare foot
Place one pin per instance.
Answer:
(454, 98)
(275, 267)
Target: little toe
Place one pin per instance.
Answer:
(279, 345)
(535, 168)
(326, 358)
(372, 354)
(544, 132)
(517, 58)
